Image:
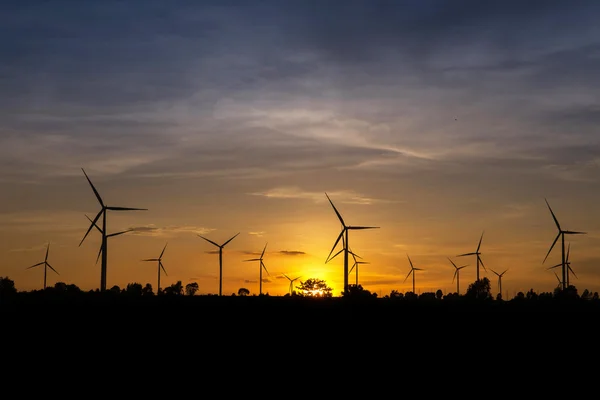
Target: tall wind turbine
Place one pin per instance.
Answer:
(160, 266)
(561, 234)
(102, 213)
(344, 236)
(412, 271)
(456, 275)
(45, 264)
(499, 279)
(356, 264)
(220, 246)
(568, 265)
(478, 254)
(291, 283)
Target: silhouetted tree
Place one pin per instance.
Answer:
(147, 290)
(174, 289)
(396, 294)
(115, 289)
(480, 289)
(134, 289)
(60, 287)
(439, 294)
(191, 288)
(243, 292)
(357, 291)
(7, 287)
(314, 287)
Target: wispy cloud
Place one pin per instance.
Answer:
(343, 196)
(152, 230)
(292, 253)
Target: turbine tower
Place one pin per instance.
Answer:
(344, 236)
(46, 265)
(456, 275)
(104, 246)
(412, 271)
(220, 246)
(561, 234)
(160, 266)
(291, 283)
(478, 254)
(261, 266)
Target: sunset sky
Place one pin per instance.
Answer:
(433, 120)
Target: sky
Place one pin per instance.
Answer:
(435, 121)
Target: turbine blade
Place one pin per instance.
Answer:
(35, 265)
(574, 233)
(50, 266)
(452, 262)
(265, 267)
(208, 240)
(481, 262)
(118, 233)
(163, 267)
(410, 272)
(233, 237)
(252, 259)
(411, 264)
(150, 259)
(466, 254)
(568, 250)
(163, 251)
(573, 272)
(126, 209)
(94, 189)
(336, 211)
(335, 244)
(363, 227)
(551, 247)
(99, 252)
(455, 273)
(47, 251)
(480, 239)
(263, 252)
(553, 216)
(334, 256)
(92, 225)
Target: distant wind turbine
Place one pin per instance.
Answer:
(159, 265)
(561, 234)
(456, 275)
(220, 246)
(568, 264)
(104, 246)
(478, 254)
(499, 279)
(356, 264)
(291, 283)
(261, 266)
(412, 271)
(46, 265)
(344, 236)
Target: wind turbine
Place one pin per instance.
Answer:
(356, 264)
(344, 236)
(412, 271)
(499, 279)
(220, 246)
(478, 254)
(291, 282)
(45, 264)
(559, 281)
(104, 246)
(561, 234)
(160, 266)
(260, 268)
(568, 264)
(457, 275)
